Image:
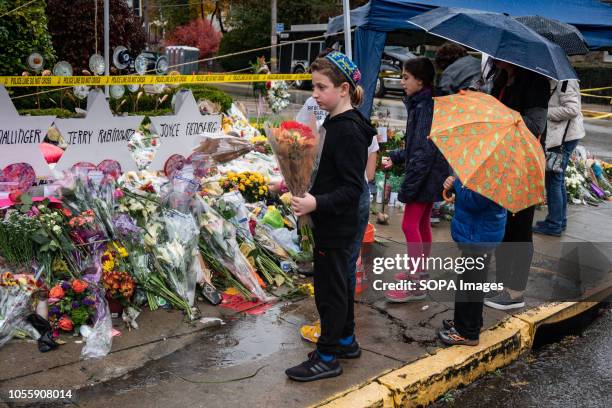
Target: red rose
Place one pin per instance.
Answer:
(65, 323)
(15, 196)
(79, 286)
(56, 292)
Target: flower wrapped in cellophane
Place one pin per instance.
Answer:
(220, 249)
(297, 148)
(16, 297)
(176, 239)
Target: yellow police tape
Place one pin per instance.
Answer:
(22, 81)
(596, 89)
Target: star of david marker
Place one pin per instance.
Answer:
(99, 136)
(20, 137)
(180, 133)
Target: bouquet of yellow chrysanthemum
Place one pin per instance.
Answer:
(119, 284)
(252, 185)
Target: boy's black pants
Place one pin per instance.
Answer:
(469, 304)
(334, 300)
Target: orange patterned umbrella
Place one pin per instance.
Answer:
(490, 149)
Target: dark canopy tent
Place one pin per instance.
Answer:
(378, 17)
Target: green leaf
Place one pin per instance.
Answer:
(26, 199)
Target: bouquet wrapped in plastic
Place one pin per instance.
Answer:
(223, 148)
(176, 239)
(16, 295)
(220, 248)
(297, 148)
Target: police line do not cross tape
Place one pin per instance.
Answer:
(24, 81)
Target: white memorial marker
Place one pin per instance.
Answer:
(21, 135)
(181, 133)
(99, 136)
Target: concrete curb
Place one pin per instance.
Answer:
(423, 381)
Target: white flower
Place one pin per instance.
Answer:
(136, 205)
(172, 253)
(152, 234)
(57, 229)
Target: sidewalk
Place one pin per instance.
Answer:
(168, 363)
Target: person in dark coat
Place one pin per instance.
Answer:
(459, 70)
(478, 226)
(426, 168)
(527, 93)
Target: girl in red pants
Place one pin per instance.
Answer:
(426, 169)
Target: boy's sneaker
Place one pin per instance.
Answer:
(314, 369)
(451, 337)
(311, 333)
(404, 296)
(503, 301)
(351, 351)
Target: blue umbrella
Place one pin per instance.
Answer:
(500, 36)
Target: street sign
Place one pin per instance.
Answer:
(280, 27)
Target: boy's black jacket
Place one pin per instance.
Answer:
(340, 179)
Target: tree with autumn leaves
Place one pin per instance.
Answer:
(198, 33)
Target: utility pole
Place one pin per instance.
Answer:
(145, 19)
(348, 47)
(106, 44)
(273, 37)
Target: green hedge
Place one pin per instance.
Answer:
(146, 103)
(60, 113)
(212, 94)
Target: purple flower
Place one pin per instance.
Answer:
(65, 285)
(88, 301)
(75, 304)
(125, 226)
(55, 310)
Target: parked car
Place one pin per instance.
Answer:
(390, 72)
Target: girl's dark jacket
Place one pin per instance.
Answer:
(426, 168)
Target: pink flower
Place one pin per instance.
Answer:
(118, 193)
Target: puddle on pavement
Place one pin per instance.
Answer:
(247, 338)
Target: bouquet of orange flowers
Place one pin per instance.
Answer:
(297, 148)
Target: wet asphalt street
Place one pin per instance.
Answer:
(575, 371)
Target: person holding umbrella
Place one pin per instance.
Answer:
(499, 169)
(527, 93)
(459, 70)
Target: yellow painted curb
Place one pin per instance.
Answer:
(554, 313)
(373, 395)
(423, 381)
